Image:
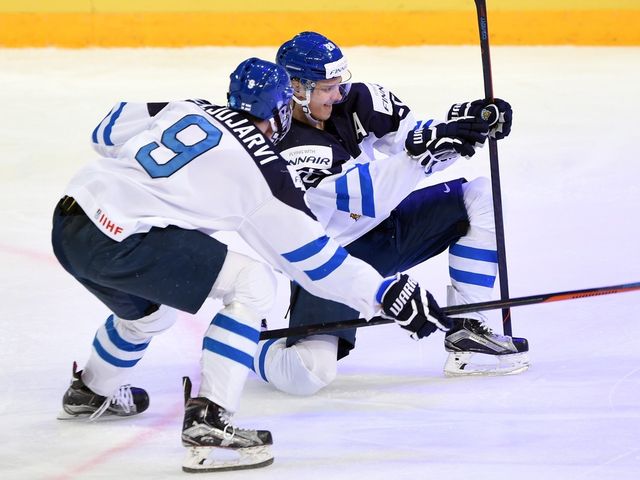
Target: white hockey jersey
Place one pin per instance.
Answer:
(200, 166)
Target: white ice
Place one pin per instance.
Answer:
(570, 173)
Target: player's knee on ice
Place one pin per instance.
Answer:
(303, 368)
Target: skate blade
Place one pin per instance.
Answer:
(464, 364)
(215, 459)
(86, 417)
(64, 415)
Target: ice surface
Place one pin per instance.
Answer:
(570, 174)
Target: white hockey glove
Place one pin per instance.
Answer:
(497, 113)
(411, 307)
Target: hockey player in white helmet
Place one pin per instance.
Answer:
(369, 205)
(135, 228)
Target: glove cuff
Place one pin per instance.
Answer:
(458, 110)
(384, 286)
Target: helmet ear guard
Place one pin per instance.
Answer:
(262, 89)
(281, 123)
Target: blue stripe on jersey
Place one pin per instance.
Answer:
(94, 135)
(472, 278)
(306, 251)
(366, 188)
(107, 357)
(227, 351)
(107, 130)
(120, 342)
(236, 327)
(262, 357)
(342, 194)
(329, 266)
(474, 253)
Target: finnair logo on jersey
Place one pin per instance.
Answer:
(381, 98)
(316, 156)
(245, 131)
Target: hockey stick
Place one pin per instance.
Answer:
(319, 328)
(483, 27)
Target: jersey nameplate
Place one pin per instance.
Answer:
(245, 131)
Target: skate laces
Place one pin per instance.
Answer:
(229, 430)
(121, 397)
(476, 326)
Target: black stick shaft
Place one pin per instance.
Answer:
(319, 328)
(483, 27)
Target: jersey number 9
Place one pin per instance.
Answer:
(183, 153)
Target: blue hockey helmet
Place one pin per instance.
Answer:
(310, 57)
(262, 89)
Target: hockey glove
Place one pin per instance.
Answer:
(443, 152)
(435, 152)
(497, 113)
(411, 307)
(466, 129)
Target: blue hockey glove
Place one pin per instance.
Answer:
(497, 113)
(411, 307)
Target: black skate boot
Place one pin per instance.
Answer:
(79, 401)
(214, 444)
(476, 350)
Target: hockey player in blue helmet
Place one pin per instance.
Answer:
(264, 91)
(361, 153)
(315, 63)
(135, 227)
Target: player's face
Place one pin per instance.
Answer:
(323, 96)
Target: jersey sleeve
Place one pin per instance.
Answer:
(384, 119)
(123, 122)
(297, 245)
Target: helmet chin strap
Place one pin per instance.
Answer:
(305, 106)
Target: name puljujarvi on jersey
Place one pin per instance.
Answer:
(250, 136)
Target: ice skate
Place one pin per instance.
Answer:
(214, 444)
(79, 401)
(475, 350)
